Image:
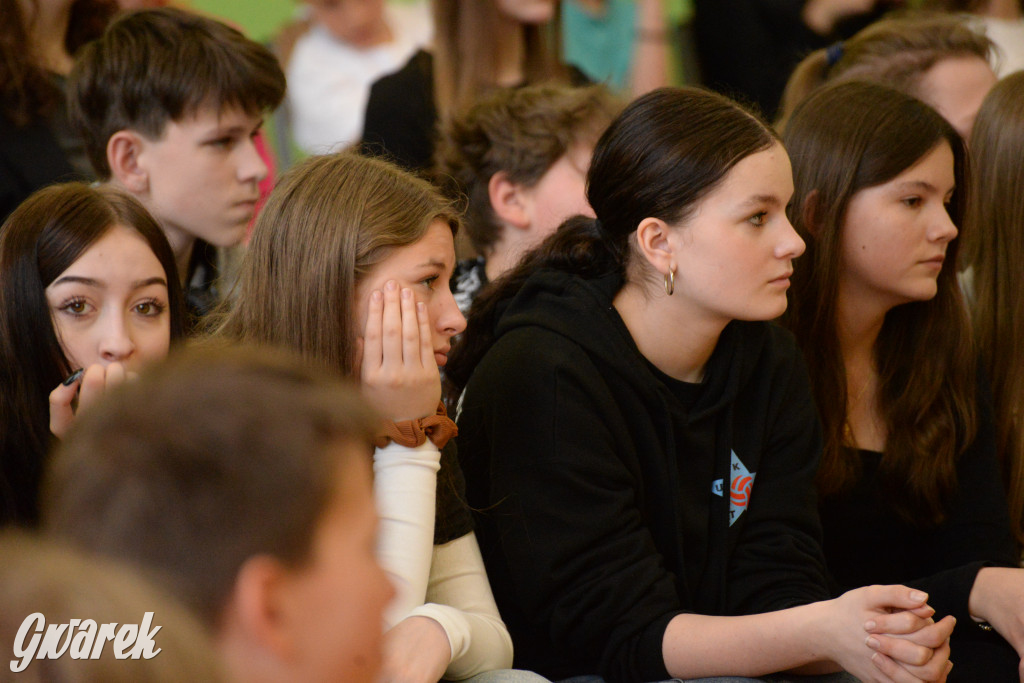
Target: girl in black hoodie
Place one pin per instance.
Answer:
(641, 446)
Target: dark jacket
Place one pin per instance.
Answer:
(598, 482)
(866, 542)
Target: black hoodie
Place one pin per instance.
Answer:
(597, 481)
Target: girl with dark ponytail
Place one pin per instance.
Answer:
(640, 445)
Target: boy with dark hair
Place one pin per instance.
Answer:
(168, 103)
(241, 482)
(520, 156)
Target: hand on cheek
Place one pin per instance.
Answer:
(396, 362)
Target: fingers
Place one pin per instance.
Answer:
(94, 383)
(426, 344)
(372, 346)
(116, 374)
(904, 621)
(898, 674)
(392, 324)
(932, 635)
(899, 597)
(61, 398)
(920, 662)
(411, 352)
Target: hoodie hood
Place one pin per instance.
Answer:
(582, 311)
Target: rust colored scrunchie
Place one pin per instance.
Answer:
(439, 428)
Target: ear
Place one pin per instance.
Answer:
(653, 240)
(811, 213)
(508, 201)
(255, 610)
(124, 151)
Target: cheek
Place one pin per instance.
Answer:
(155, 342)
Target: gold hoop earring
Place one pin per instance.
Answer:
(670, 282)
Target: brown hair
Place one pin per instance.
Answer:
(995, 221)
(896, 51)
(327, 223)
(27, 89)
(206, 460)
(40, 576)
(923, 353)
(465, 59)
(39, 241)
(522, 132)
(154, 66)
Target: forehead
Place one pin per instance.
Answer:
(119, 250)
(209, 117)
(764, 173)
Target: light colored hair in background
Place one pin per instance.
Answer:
(329, 220)
(995, 248)
(895, 51)
(40, 576)
(465, 55)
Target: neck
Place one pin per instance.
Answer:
(679, 343)
(1001, 9)
(859, 324)
(505, 253)
(511, 52)
(47, 30)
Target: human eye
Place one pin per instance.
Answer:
(758, 218)
(428, 282)
(76, 307)
(225, 142)
(150, 308)
(911, 202)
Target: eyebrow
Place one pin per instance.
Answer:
(756, 199)
(92, 282)
(434, 263)
(921, 184)
(234, 130)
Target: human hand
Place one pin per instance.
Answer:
(395, 358)
(997, 597)
(416, 650)
(822, 16)
(903, 643)
(81, 390)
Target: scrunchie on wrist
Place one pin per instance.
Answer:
(439, 428)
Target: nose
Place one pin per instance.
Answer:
(116, 343)
(450, 322)
(942, 230)
(790, 244)
(251, 166)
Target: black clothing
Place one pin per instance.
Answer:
(866, 542)
(599, 496)
(401, 115)
(746, 49)
(44, 152)
(452, 519)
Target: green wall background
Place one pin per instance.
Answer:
(260, 19)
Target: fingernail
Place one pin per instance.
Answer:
(869, 625)
(421, 307)
(871, 642)
(406, 293)
(74, 377)
(918, 596)
(391, 285)
(376, 295)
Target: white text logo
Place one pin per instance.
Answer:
(82, 639)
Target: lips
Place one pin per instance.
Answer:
(441, 356)
(782, 278)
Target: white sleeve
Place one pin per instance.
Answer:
(459, 598)
(405, 485)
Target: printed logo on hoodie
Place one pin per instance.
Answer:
(742, 483)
